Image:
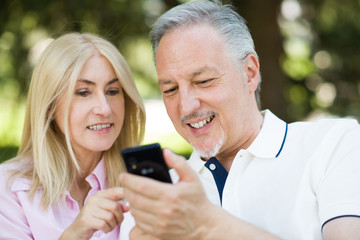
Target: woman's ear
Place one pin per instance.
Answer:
(252, 71)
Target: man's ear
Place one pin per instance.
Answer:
(252, 72)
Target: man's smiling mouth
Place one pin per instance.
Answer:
(202, 123)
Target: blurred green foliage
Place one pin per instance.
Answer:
(27, 26)
(318, 61)
(24, 25)
(322, 57)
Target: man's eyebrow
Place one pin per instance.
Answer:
(197, 73)
(93, 83)
(165, 81)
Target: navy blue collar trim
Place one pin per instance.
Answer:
(282, 145)
(219, 174)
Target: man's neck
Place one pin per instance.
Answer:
(226, 158)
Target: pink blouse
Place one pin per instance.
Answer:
(21, 218)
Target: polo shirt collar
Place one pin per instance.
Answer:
(268, 143)
(195, 161)
(271, 138)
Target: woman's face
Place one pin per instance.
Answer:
(97, 108)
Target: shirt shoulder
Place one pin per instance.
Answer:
(17, 183)
(326, 124)
(332, 130)
(12, 215)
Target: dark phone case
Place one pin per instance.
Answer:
(146, 160)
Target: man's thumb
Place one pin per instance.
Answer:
(179, 163)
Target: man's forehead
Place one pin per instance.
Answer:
(204, 69)
(192, 74)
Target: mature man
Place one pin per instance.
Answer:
(272, 179)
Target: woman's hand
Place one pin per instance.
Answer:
(102, 211)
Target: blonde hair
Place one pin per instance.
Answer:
(54, 165)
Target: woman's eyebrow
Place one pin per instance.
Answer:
(86, 81)
(93, 83)
(112, 81)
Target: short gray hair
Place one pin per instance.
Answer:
(231, 26)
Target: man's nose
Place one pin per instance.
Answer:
(189, 101)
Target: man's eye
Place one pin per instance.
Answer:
(205, 82)
(82, 93)
(170, 91)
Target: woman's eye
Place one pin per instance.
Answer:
(82, 93)
(113, 92)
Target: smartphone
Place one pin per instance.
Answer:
(146, 160)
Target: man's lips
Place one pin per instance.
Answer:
(201, 123)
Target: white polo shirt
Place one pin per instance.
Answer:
(293, 178)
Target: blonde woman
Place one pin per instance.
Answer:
(82, 108)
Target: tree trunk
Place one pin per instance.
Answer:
(261, 16)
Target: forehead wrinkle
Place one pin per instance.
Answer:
(202, 70)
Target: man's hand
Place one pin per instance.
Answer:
(137, 234)
(165, 210)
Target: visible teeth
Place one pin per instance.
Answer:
(201, 123)
(99, 126)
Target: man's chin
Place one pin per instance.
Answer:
(206, 146)
(207, 152)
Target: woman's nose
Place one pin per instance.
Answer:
(102, 106)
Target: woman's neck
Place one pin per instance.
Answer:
(81, 187)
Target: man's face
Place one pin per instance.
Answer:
(210, 102)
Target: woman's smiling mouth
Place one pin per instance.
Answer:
(98, 127)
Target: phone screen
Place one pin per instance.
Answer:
(148, 161)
